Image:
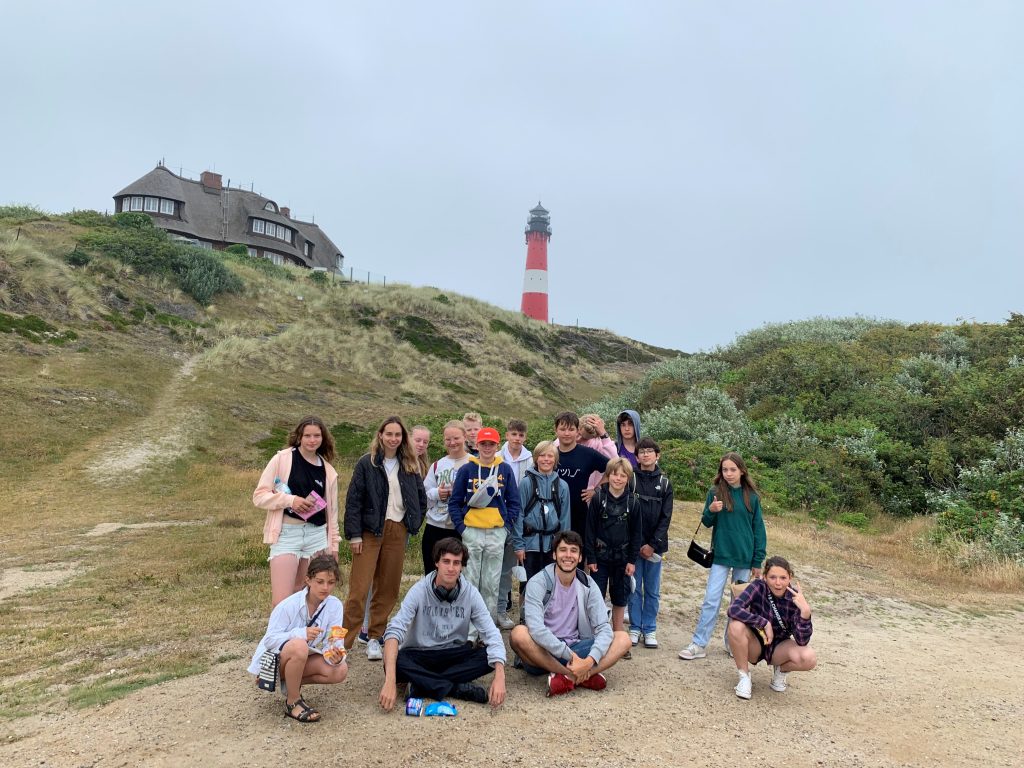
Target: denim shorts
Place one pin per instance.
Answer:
(302, 541)
(581, 648)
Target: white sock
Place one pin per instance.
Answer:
(744, 673)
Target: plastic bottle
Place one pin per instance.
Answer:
(281, 486)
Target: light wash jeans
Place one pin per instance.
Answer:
(486, 549)
(717, 579)
(646, 599)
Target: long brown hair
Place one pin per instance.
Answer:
(326, 449)
(406, 453)
(724, 490)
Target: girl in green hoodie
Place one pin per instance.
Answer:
(733, 511)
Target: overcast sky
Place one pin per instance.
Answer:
(709, 167)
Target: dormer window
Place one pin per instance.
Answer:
(270, 207)
(270, 229)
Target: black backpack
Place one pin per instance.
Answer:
(550, 527)
(613, 532)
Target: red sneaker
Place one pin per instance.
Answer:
(559, 684)
(595, 682)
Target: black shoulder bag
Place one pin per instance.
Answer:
(266, 678)
(697, 553)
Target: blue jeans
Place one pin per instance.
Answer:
(717, 579)
(581, 648)
(644, 602)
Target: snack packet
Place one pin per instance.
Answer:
(335, 651)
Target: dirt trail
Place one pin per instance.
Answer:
(163, 434)
(898, 684)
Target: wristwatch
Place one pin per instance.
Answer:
(604, 436)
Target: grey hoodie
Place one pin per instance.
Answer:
(427, 622)
(592, 620)
(520, 465)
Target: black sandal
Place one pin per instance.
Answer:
(307, 715)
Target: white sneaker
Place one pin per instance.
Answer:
(505, 621)
(373, 650)
(650, 640)
(779, 680)
(693, 651)
(634, 636)
(744, 686)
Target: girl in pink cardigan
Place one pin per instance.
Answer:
(299, 490)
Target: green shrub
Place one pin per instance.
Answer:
(523, 336)
(135, 241)
(690, 465)
(87, 218)
(857, 520)
(706, 414)
(21, 214)
(521, 368)
(128, 220)
(240, 254)
(428, 340)
(78, 258)
(202, 275)
(34, 328)
(317, 278)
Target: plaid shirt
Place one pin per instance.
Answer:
(754, 609)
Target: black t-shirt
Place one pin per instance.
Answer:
(575, 467)
(306, 477)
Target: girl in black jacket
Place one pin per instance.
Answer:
(384, 506)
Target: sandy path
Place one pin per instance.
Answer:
(164, 434)
(898, 684)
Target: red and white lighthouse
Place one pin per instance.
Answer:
(535, 283)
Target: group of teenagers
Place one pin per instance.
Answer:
(577, 519)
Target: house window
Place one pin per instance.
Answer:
(281, 233)
(339, 262)
(257, 226)
(307, 248)
(252, 252)
(136, 203)
(167, 206)
(270, 207)
(126, 204)
(276, 258)
(152, 205)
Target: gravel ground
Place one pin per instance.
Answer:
(898, 684)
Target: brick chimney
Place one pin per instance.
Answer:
(211, 180)
(286, 212)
